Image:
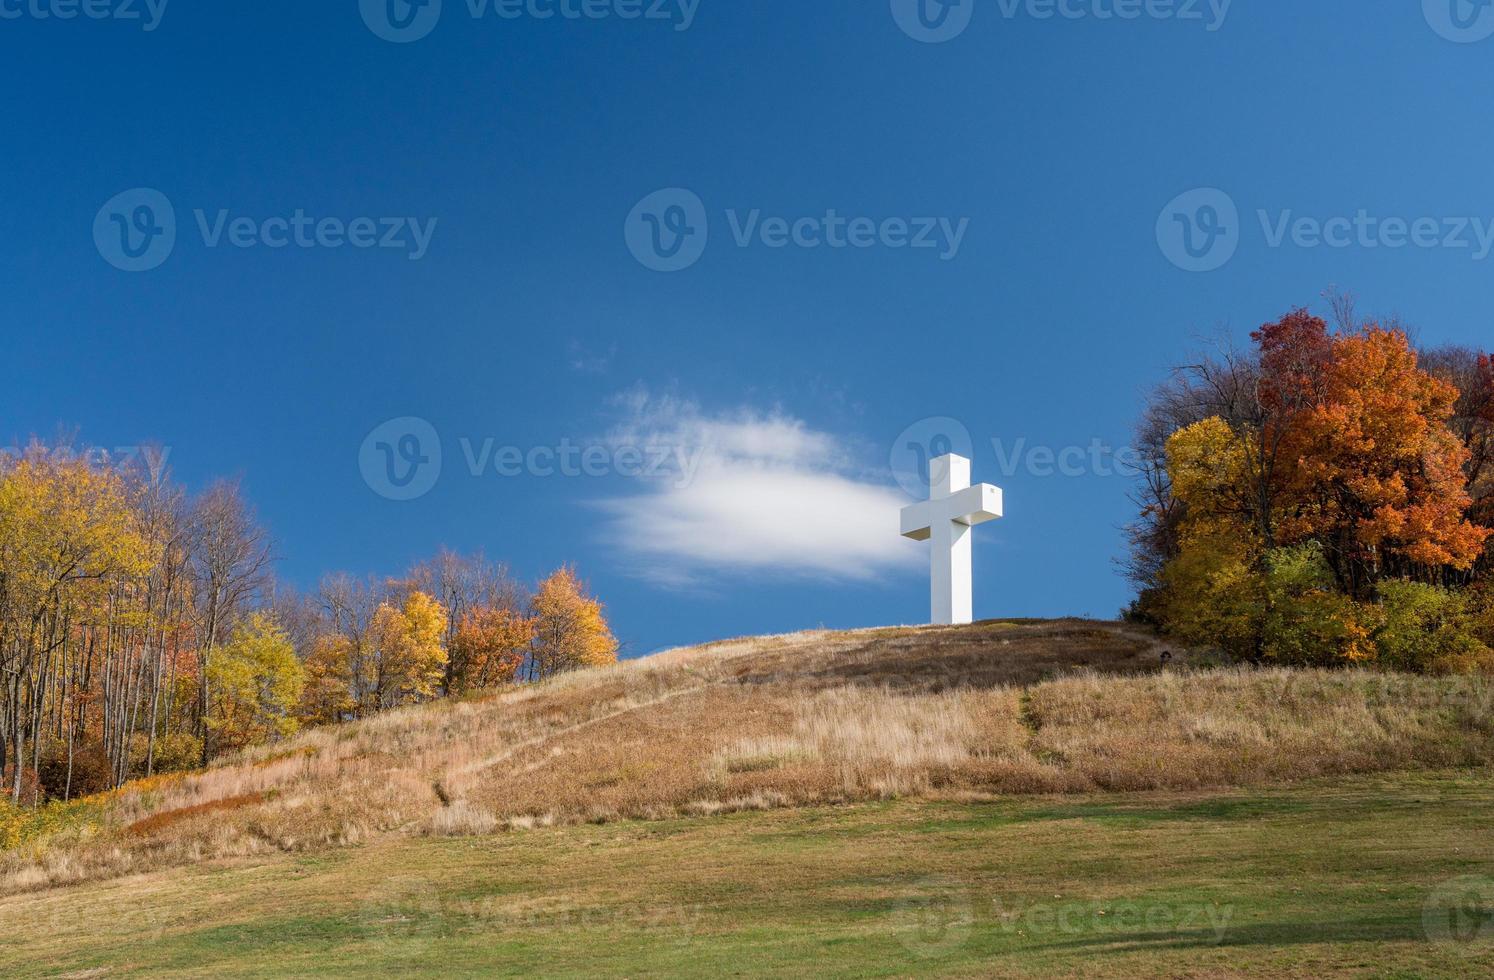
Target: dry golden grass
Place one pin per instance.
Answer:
(957, 713)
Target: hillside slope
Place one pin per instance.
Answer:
(959, 713)
(1349, 877)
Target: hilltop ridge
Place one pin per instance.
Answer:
(965, 713)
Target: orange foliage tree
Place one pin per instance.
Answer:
(1378, 475)
(489, 648)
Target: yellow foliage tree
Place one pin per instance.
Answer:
(69, 534)
(411, 661)
(1225, 589)
(1208, 462)
(256, 684)
(1211, 593)
(570, 630)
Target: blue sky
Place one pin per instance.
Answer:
(511, 163)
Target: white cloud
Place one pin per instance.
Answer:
(587, 360)
(751, 493)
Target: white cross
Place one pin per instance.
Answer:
(953, 508)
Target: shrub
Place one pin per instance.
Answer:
(174, 752)
(1429, 628)
(1481, 606)
(89, 772)
(1211, 599)
(1307, 620)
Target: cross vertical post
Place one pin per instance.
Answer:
(945, 520)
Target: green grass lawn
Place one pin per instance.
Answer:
(1366, 877)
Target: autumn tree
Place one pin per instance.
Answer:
(488, 648)
(256, 683)
(570, 630)
(68, 538)
(467, 585)
(327, 697)
(407, 656)
(1380, 478)
(231, 556)
(1472, 374)
(141, 629)
(1285, 491)
(1210, 593)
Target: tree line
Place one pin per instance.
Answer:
(1324, 496)
(142, 629)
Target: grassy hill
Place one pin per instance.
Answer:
(903, 799)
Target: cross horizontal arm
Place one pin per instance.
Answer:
(971, 506)
(918, 520)
(974, 506)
